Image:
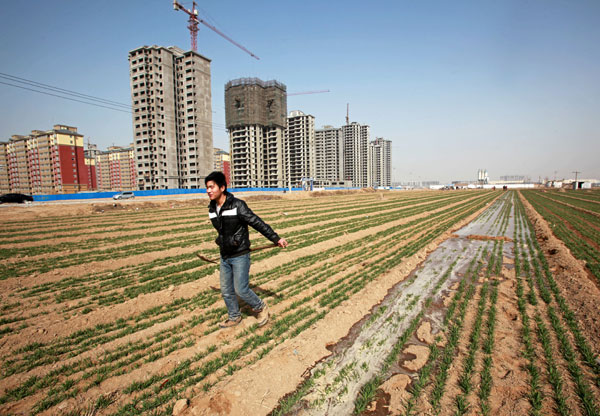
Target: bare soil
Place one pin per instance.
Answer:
(255, 389)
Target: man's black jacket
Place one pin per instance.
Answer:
(232, 224)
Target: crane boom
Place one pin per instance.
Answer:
(228, 38)
(307, 92)
(193, 27)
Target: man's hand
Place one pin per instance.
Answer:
(282, 243)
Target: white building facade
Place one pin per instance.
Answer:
(380, 162)
(355, 142)
(329, 157)
(299, 148)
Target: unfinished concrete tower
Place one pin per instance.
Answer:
(255, 115)
(172, 117)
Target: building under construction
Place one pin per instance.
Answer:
(256, 118)
(172, 117)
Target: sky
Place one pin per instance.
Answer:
(508, 86)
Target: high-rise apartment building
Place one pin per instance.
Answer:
(223, 163)
(256, 118)
(44, 162)
(172, 117)
(355, 139)
(116, 169)
(299, 148)
(380, 162)
(329, 157)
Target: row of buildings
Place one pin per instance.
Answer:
(173, 144)
(50, 161)
(270, 148)
(172, 125)
(58, 161)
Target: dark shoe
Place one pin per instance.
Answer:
(262, 316)
(228, 323)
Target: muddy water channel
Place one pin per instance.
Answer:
(395, 341)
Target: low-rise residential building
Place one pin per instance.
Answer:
(90, 164)
(223, 163)
(4, 183)
(116, 169)
(44, 162)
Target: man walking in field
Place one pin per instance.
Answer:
(231, 217)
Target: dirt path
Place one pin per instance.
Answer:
(509, 390)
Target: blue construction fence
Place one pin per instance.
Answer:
(158, 192)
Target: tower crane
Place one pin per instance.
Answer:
(193, 21)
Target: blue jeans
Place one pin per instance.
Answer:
(235, 273)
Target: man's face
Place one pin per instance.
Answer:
(213, 190)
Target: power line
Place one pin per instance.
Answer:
(66, 98)
(101, 102)
(61, 90)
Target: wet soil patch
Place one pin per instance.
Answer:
(381, 405)
(356, 329)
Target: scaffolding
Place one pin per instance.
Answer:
(251, 101)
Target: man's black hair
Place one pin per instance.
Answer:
(218, 178)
